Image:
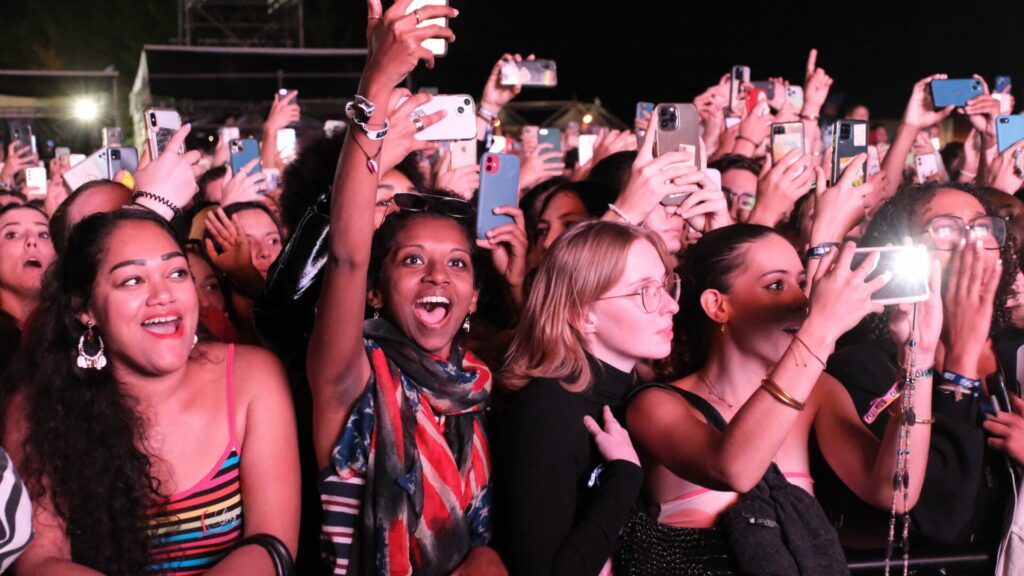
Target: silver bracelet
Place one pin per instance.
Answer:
(620, 214)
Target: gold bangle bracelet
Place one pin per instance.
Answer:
(781, 395)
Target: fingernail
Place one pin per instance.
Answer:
(456, 11)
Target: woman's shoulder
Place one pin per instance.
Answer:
(251, 367)
(544, 399)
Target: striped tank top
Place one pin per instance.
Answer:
(195, 529)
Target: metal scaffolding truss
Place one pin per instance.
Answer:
(243, 23)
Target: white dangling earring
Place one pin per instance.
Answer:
(376, 313)
(465, 324)
(195, 340)
(87, 361)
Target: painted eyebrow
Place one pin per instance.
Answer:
(770, 272)
(163, 258)
(385, 186)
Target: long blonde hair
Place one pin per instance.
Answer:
(582, 265)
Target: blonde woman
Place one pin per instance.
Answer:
(603, 300)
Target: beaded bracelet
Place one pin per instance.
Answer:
(159, 200)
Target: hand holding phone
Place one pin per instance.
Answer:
(955, 91)
(458, 123)
(499, 186)
(436, 46)
(161, 125)
(542, 73)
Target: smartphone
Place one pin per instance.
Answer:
(1009, 131)
(459, 122)
(21, 132)
(530, 73)
(795, 94)
(926, 165)
(643, 108)
(332, 127)
(117, 158)
(286, 145)
(462, 153)
(874, 165)
(955, 91)
(767, 85)
(498, 144)
(76, 159)
(909, 266)
(786, 136)
(757, 103)
(552, 136)
(161, 124)
(86, 170)
(271, 178)
(437, 46)
(499, 186)
(228, 133)
(849, 138)
(34, 177)
(677, 127)
(112, 136)
(63, 156)
(586, 147)
(739, 77)
(1005, 105)
(1002, 84)
(242, 152)
(731, 121)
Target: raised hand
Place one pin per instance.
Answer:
(1004, 172)
(929, 320)
(401, 139)
(394, 42)
(537, 166)
(920, 112)
(781, 187)
(171, 176)
(508, 246)
(496, 95)
(18, 158)
(969, 292)
(816, 86)
(283, 111)
(235, 256)
(706, 209)
(840, 297)
(242, 187)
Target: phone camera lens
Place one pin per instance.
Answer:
(779, 130)
(460, 110)
(664, 124)
(467, 102)
(152, 118)
(115, 154)
(1004, 120)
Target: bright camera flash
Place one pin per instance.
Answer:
(912, 265)
(86, 109)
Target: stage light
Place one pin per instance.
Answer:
(588, 118)
(86, 109)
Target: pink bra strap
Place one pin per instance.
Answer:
(232, 437)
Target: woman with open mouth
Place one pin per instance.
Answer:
(26, 251)
(144, 451)
(398, 406)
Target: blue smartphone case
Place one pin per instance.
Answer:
(1001, 83)
(242, 152)
(499, 186)
(955, 91)
(1009, 131)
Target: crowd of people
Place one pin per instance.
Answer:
(664, 362)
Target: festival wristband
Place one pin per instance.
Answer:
(960, 380)
(821, 250)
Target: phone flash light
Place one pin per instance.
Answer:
(912, 265)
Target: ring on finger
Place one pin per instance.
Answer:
(419, 19)
(418, 124)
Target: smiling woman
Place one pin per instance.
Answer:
(126, 429)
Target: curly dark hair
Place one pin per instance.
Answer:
(84, 443)
(897, 218)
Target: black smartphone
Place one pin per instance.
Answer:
(849, 138)
(21, 132)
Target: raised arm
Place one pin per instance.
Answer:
(337, 366)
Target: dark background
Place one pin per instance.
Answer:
(619, 52)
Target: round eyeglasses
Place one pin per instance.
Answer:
(650, 292)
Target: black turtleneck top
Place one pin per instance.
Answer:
(556, 515)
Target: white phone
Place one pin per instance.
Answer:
(874, 165)
(459, 122)
(462, 153)
(437, 46)
(35, 178)
(92, 168)
(498, 144)
(286, 148)
(586, 147)
(926, 166)
(161, 124)
(795, 94)
(1004, 103)
(228, 133)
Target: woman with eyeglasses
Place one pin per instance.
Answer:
(967, 484)
(398, 404)
(602, 301)
(739, 424)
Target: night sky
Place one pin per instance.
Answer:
(619, 52)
